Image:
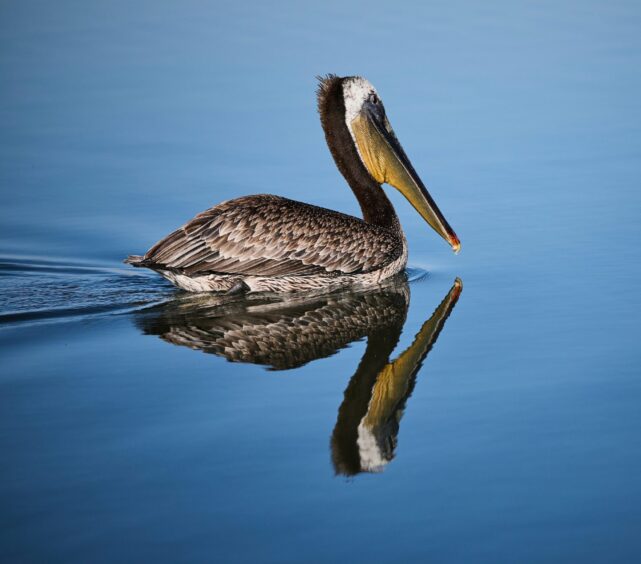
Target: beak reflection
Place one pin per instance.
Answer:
(366, 431)
(282, 335)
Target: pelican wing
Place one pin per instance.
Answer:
(271, 236)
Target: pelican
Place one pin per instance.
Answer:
(266, 243)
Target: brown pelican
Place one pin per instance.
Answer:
(266, 243)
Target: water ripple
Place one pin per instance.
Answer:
(34, 289)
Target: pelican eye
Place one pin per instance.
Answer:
(373, 98)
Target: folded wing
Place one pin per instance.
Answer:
(271, 236)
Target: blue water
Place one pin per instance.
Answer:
(126, 433)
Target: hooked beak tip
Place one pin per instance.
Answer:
(456, 244)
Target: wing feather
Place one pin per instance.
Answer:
(272, 236)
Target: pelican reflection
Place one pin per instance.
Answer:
(366, 431)
(284, 334)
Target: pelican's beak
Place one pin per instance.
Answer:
(386, 161)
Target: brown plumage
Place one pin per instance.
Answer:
(268, 243)
(268, 235)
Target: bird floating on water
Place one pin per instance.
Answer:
(266, 243)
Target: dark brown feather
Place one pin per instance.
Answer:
(267, 235)
(271, 236)
(375, 205)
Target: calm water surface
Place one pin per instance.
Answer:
(483, 409)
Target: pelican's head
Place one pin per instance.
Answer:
(382, 154)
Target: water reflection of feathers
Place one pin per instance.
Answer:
(279, 334)
(283, 334)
